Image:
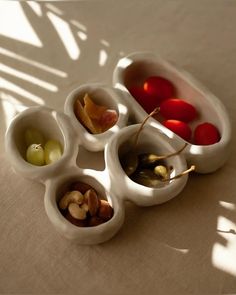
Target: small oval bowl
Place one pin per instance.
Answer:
(136, 67)
(101, 95)
(83, 235)
(52, 125)
(153, 141)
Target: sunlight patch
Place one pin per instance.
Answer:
(228, 205)
(82, 36)
(54, 8)
(102, 57)
(105, 42)
(64, 31)
(5, 84)
(15, 25)
(11, 106)
(223, 256)
(27, 77)
(32, 62)
(35, 7)
(78, 25)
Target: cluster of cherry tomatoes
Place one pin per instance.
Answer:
(177, 113)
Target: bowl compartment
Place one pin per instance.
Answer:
(83, 235)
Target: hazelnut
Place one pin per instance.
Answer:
(105, 211)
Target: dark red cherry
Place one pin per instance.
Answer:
(205, 134)
(148, 102)
(179, 127)
(178, 109)
(159, 87)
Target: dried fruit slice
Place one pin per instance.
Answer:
(84, 118)
(93, 110)
(108, 119)
(96, 118)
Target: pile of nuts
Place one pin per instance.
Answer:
(82, 206)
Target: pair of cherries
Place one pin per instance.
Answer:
(158, 91)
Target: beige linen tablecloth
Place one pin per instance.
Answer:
(185, 246)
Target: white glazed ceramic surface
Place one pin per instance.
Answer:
(52, 125)
(82, 235)
(101, 95)
(112, 183)
(150, 141)
(136, 67)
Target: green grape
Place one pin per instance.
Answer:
(53, 151)
(35, 155)
(33, 136)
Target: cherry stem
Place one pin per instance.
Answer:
(192, 168)
(155, 111)
(173, 154)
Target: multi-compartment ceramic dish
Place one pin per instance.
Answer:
(113, 184)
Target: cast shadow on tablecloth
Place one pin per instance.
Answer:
(184, 238)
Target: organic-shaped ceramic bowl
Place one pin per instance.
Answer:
(53, 125)
(82, 235)
(136, 67)
(102, 95)
(112, 183)
(153, 141)
(58, 175)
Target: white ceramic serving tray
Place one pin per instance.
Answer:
(112, 183)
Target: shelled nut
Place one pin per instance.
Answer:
(91, 198)
(76, 211)
(84, 209)
(71, 197)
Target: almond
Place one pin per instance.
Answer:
(91, 198)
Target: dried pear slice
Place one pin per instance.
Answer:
(108, 119)
(84, 118)
(93, 110)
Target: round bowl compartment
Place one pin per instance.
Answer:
(83, 235)
(104, 96)
(52, 125)
(150, 140)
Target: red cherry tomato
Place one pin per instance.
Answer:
(148, 102)
(178, 109)
(206, 133)
(159, 87)
(180, 128)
